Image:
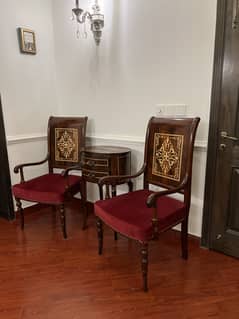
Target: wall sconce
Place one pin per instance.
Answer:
(96, 20)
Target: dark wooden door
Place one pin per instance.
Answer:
(224, 222)
(6, 202)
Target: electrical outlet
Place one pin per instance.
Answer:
(171, 110)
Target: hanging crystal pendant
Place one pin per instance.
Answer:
(85, 34)
(78, 32)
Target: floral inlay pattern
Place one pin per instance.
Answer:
(167, 156)
(66, 144)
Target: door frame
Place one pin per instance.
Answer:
(7, 208)
(213, 125)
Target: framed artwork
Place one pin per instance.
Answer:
(27, 41)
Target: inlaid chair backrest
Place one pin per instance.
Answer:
(66, 139)
(169, 151)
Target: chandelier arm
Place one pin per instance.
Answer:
(81, 19)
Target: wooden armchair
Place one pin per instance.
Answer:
(66, 139)
(144, 214)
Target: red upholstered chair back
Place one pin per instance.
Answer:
(169, 151)
(66, 139)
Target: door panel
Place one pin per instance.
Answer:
(233, 218)
(225, 207)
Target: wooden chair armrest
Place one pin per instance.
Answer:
(113, 181)
(120, 179)
(21, 166)
(66, 171)
(152, 202)
(152, 199)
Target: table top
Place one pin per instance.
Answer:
(106, 149)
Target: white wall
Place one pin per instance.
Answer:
(27, 82)
(152, 52)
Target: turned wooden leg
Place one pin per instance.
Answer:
(130, 186)
(63, 220)
(144, 265)
(20, 210)
(84, 205)
(184, 239)
(100, 235)
(113, 194)
(113, 191)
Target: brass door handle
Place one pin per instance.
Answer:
(232, 138)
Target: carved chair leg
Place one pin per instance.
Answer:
(84, 205)
(184, 239)
(130, 186)
(63, 220)
(144, 265)
(99, 226)
(113, 194)
(20, 210)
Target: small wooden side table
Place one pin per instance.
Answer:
(99, 161)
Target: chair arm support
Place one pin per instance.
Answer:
(152, 203)
(21, 166)
(66, 171)
(120, 179)
(152, 198)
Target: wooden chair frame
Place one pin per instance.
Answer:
(182, 186)
(66, 166)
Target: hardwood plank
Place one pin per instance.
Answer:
(44, 276)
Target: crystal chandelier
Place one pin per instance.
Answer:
(96, 20)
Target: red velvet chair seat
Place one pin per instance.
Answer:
(49, 188)
(129, 215)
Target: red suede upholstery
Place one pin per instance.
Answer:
(49, 188)
(129, 215)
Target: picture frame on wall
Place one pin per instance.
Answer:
(27, 41)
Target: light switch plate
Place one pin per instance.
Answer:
(171, 110)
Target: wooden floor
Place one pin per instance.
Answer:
(43, 276)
